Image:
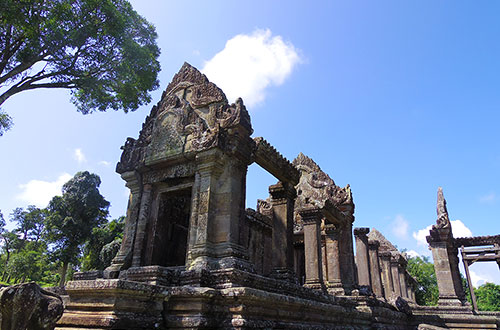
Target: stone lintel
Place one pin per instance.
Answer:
(272, 161)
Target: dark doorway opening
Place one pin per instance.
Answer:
(171, 232)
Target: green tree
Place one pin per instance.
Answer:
(101, 247)
(488, 297)
(423, 271)
(30, 223)
(2, 222)
(101, 50)
(73, 216)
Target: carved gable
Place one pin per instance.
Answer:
(316, 188)
(192, 115)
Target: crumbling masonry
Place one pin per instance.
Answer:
(193, 257)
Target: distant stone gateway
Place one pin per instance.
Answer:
(193, 257)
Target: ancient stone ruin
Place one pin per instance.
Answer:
(193, 257)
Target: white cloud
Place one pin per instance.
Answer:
(249, 63)
(421, 234)
(400, 226)
(39, 193)
(104, 163)
(477, 279)
(79, 156)
(488, 198)
(413, 254)
(459, 229)
(457, 226)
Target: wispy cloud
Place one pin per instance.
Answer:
(39, 192)
(250, 63)
(488, 198)
(104, 163)
(79, 156)
(400, 226)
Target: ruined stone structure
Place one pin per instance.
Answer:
(193, 257)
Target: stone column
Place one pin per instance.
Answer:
(362, 259)
(385, 261)
(217, 211)
(282, 200)
(402, 277)
(123, 258)
(375, 276)
(311, 218)
(139, 244)
(347, 264)
(449, 292)
(395, 273)
(334, 283)
(409, 288)
(444, 253)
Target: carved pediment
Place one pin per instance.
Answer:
(192, 115)
(316, 188)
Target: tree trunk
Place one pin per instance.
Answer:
(64, 270)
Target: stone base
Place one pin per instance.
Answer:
(455, 318)
(112, 304)
(235, 299)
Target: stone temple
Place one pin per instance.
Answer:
(193, 257)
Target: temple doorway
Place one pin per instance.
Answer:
(171, 232)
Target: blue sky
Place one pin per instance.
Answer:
(394, 98)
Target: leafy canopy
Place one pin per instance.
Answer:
(101, 50)
(73, 216)
(422, 270)
(488, 297)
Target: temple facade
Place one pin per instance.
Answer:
(194, 257)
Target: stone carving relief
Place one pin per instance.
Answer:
(443, 220)
(316, 188)
(193, 115)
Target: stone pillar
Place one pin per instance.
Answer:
(409, 287)
(375, 276)
(449, 292)
(395, 273)
(402, 277)
(385, 262)
(444, 253)
(334, 283)
(217, 211)
(347, 264)
(362, 259)
(139, 244)
(282, 200)
(123, 258)
(311, 218)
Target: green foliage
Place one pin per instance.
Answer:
(2, 222)
(5, 122)
(31, 223)
(101, 50)
(73, 216)
(101, 247)
(46, 244)
(423, 271)
(488, 297)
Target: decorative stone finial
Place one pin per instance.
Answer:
(443, 220)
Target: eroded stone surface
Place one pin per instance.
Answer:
(27, 306)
